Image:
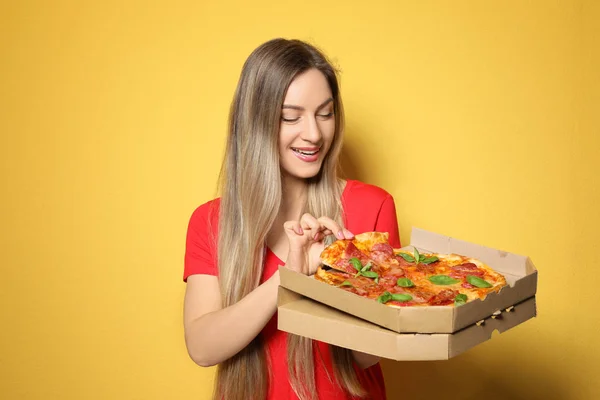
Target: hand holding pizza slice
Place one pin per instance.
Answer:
(305, 239)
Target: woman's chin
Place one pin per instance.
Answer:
(302, 174)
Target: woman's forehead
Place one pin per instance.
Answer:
(309, 89)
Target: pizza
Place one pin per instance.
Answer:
(369, 266)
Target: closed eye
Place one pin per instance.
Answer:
(325, 116)
(290, 120)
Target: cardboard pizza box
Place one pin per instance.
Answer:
(519, 271)
(305, 317)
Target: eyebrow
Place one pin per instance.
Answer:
(293, 107)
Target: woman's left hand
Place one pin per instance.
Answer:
(306, 241)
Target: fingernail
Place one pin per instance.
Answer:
(340, 235)
(348, 234)
(316, 237)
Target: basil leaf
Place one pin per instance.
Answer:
(366, 267)
(460, 299)
(401, 297)
(369, 274)
(385, 297)
(405, 282)
(356, 263)
(442, 280)
(417, 255)
(478, 282)
(429, 260)
(407, 257)
(346, 283)
(377, 280)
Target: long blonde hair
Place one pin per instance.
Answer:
(251, 192)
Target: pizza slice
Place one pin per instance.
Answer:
(369, 248)
(351, 282)
(339, 253)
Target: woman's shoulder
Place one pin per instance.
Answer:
(361, 191)
(208, 211)
(369, 208)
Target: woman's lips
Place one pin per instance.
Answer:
(306, 154)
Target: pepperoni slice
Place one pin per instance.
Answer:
(426, 268)
(443, 298)
(380, 258)
(420, 295)
(461, 271)
(384, 247)
(395, 272)
(465, 267)
(461, 275)
(390, 279)
(382, 253)
(403, 262)
(387, 282)
(360, 291)
(351, 252)
(345, 265)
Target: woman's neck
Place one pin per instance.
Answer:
(293, 197)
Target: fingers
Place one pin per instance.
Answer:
(293, 226)
(310, 223)
(317, 229)
(323, 226)
(335, 229)
(332, 226)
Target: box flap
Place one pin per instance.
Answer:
(501, 261)
(469, 337)
(479, 309)
(287, 296)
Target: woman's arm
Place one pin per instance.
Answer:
(214, 334)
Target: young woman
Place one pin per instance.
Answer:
(280, 198)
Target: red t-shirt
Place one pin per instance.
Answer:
(366, 208)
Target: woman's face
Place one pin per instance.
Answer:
(307, 125)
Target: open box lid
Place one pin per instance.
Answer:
(511, 264)
(520, 273)
(305, 317)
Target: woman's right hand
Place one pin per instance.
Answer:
(306, 241)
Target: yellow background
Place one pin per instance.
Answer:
(480, 117)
